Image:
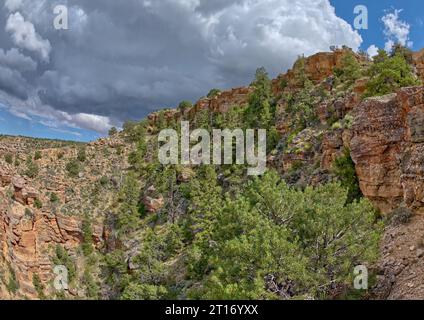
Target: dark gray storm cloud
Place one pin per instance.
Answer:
(120, 60)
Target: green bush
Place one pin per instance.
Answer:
(37, 155)
(184, 105)
(104, 181)
(113, 131)
(92, 288)
(38, 204)
(82, 156)
(31, 169)
(349, 71)
(213, 93)
(54, 198)
(73, 168)
(87, 231)
(346, 172)
(12, 285)
(38, 285)
(8, 158)
(387, 74)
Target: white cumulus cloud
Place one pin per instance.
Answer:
(25, 36)
(396, 30)
(372, 50)
(122, 61)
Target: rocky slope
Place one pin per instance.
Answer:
(33, 222)
(385, 136)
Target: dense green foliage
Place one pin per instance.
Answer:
(82, 156)
(38, 285)
(345, 171)
(213, 93)
(73, 168)
(349, 72)
(185, 105)
(113, 131)
(223, 235)
(31, 168)
(389, 73)
(8, 158)
(265, 240)
(37, 155)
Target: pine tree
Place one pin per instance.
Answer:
(128, 215)
(259, 111)
(350, 70)
(387, 74)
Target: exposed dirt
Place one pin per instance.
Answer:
(401, 267)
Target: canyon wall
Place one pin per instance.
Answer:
(387, 146)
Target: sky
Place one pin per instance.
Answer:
(121, 60)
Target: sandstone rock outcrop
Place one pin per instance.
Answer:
(30, 230)
(418, 60)
(318, 67)
(387, 146)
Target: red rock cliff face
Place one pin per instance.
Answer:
(388, 148)
(28, 235)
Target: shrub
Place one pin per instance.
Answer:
(12, 285)
(213, 93)
(350, 70)
(259, 112)
(184, 105)
(38, 204)
(346, 172)
(38, 285)
(399, 216)
(387, 74)
(87, 245)
(32, 169)
(113, 131)
(104, 181)
(73, 168)
(37, 155)
(92, 288)
(272, 236)
(8, 158)
(82, 156)
(54, 198)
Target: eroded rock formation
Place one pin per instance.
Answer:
(387, 146)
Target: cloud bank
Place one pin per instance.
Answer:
(120, 60)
